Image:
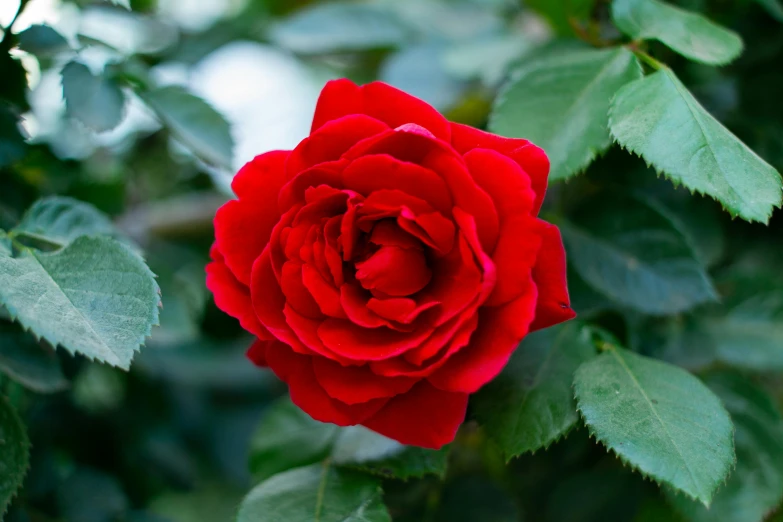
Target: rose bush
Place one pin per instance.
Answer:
(390, 264)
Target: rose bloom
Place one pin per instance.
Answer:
(391, 263)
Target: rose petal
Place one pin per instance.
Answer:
(243, 226)
(425, 416)
(394, 271)
(296, 293)
(297, 371)
(326, 295)
(231, 296)
(504, 180)
(357, 384)
(531, 158)
(514, 257)
(257, 352)
(499, 332)
(351, 341)
(549, 273)
(400, 309)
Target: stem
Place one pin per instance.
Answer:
(646, 58)
(12, 235)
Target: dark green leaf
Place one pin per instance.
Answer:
(315, 493)
(210, 503)
(755, 487)
(13, 88)
(42, 40)
(689, 34)
(561, 14)
(60, 220)
(659, 419)
(476, 499)
(91, 496)
(287, 438)
(96, 101)
(340, 26)
(28, 363)
(657, 118)
(530, 404)
(12, 143)
(14, 453)
(363, 449)
(95, 297)
(633, 254)
(195, 123)
(560, 101)
(773, 7)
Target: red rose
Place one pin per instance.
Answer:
(390, 263)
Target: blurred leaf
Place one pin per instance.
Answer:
(13, 88)
(755, 487)
(42, 40)
(683, 341)
(634, 255)
(15, 454)
(560, 102)
(122, 3)
(210, 503)
(750, 334)
(419, 71)
(339, 26)
(287, 438)
(562, 13)
(88, 495)
(659, 419)
(95, 297)
(530, 404)
(96, 101)
(361, 448)
(773, 7)
(195, 123)
(476, 499)
(602, 493)
(689, 34)
(12, 143)
(60, 220)
(657, 118)
(487, 59)
(28, 363)
(98, 389)
(318, 492)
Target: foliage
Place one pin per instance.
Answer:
(120, 125)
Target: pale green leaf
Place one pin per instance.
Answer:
(122, 3)
(96, 101)
(59, 220)
(659, 419)
(27, 362)
(755, 487)
(631, 253)
(95, 297)
(657, 118)
(340, 26)
(689, 34)
(317, 493)
(530, 404)
(360, 448)
(560, 102)
(288, 438)
(195, 123)
(42, 40)
(14, 453)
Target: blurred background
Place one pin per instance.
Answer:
(182, 93)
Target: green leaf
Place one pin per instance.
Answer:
(60, 220)
(96, 101)
(361, 448)
(89, 495)
(288, 438)
(639, 260)
(14, 453)
(773, 7)
(195, 123)
(561, 13)
(755, 487)
(689, 34)
(12, 143)
(122, 3)
(530, 404)
(340, 26)
(560, 102)
(659, 419)
(27, 362)
(317, 493)
(205, 503)
(42, 40)
(657, 118)
(95, 297)
(749, 334)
